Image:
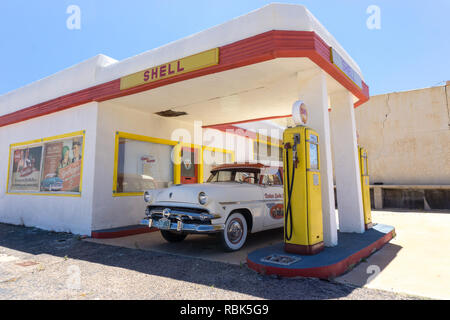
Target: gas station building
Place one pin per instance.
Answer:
(84, 143)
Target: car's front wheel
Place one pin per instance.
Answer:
(234, 235)
(172, 236)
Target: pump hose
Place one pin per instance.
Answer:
(290, 185)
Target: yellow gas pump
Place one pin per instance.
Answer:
(303, 228)
(365, 187)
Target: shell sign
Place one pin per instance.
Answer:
(276, 210)
(192, 63)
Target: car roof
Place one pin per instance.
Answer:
(240, 165)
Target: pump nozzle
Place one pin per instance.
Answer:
(294, 149)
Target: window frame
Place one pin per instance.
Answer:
(42, 142)
(177, 158)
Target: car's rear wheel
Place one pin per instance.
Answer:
(234, 235)
(173, 236)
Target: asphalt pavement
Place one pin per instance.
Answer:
(37, 264)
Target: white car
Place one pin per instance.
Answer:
(236, 199)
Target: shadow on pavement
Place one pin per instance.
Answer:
(371, 267)
(209, 273)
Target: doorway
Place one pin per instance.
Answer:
(189, 167)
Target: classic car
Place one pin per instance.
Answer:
(237, 199)
(52, 183)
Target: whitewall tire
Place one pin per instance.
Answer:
(234, 235)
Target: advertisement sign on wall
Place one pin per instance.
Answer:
(54, 166)
(26, 169)
(62, 165)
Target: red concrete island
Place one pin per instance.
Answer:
(121, 232)
(328, 264)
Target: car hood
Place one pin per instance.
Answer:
(221, 191)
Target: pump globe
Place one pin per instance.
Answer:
(299, 113)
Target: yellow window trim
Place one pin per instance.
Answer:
(74, 195)
(30, 143)
(220, 150)
(177, 158)
(129, 194)
(136, 137)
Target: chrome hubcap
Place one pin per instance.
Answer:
(235, 231)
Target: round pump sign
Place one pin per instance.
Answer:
(299, 113)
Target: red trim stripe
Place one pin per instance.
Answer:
(266, 46)
(214, 126)
(121, 233)
(325, 272)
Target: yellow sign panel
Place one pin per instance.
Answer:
(195, 62)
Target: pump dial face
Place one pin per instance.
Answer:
(299, 113)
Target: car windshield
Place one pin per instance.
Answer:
(239, 176)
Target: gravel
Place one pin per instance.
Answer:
(62, 266)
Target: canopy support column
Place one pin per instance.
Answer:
(346, 163)
(312, 87)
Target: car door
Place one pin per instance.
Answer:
(273, 200)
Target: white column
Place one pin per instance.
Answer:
(346, 163)
(313, 91)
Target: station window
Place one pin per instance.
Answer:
(213, 157)
(47, 166)
(266, 151)
(143, 165)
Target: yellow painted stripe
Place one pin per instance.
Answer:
(74, 195)
(64, 136)
(26, 143)
(213, 149)
(138, 137)
(177, 164)
(9, 168)
(116, 162)
(128, 194)
(82, 162)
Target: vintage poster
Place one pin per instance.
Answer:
(52, 157)
(62, 165)
(26, 169)
(148, 166)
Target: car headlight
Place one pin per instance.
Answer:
(148, 196)
(202, 198)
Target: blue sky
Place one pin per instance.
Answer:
(411, 50)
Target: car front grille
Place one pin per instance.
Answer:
(183, 214)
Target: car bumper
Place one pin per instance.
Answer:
(186, 227)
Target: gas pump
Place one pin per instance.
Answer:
(365, 187)
(303, 227)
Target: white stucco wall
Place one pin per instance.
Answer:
(97, 208)
(80, 76)
(407, 136)
(55, 213)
